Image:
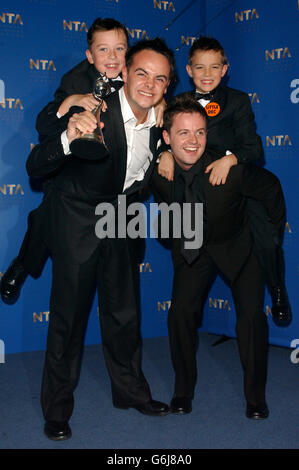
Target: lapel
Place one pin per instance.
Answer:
(155, 134)
(115, 137)
(220, 98)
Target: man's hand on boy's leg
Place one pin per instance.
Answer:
(166, 166)
(159, 111)
(220, 169)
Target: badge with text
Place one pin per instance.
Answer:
(212, 109)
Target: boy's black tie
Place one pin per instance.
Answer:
(204, 96)
(116, 84)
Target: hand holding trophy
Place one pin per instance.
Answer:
(92, 146)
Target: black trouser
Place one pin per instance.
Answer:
(33, 253)
(267, 244)
(112, 269)
(190, 286)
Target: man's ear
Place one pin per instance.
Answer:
(89, 56)
(224, 70)
(165, 91)
(166, 137)
(189, 71)
(124, 74)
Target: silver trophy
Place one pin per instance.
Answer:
(92, 146)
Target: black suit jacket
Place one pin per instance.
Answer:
(228, 239)
(79, 80)
(234, 127)
(78, 185)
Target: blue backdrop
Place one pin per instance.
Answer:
(41, 39)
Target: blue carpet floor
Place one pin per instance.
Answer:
(217, 422)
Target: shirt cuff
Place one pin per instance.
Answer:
(65, 143)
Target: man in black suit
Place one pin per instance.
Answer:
(227, 245)
(107, 41)
(81, 261)
(231, 129)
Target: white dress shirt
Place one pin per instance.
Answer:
(139, 155)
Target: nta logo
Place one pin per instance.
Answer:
(42, 64)
(164, 305)
(137, 33)
(164, 5)
(11, 18)
(278, 140)
(11, 189)
(41, 317)
(189, 40)
(279, 53)
(254, 98)
(246, 14)
(75, 25)
(219, 304)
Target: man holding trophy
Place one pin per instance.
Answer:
(82, 178)
(87, 145)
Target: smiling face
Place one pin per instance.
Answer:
(187, 138)
(146, 81)
(206, 70)
(107, 52)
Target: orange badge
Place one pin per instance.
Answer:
(212, 109)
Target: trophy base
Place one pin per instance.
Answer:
(88, 148)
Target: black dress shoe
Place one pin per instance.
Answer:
(12, 281)
(151, 408)
(281, 310)
(257, 411)
(181, 405)
(57, 431)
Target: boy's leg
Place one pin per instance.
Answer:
(31, 259)
(268, 249)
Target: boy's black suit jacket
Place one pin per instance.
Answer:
(79, 80)
(233, 128)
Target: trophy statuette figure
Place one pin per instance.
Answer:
(91, 146)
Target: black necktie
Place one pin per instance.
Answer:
(205, 96)
(190, 254)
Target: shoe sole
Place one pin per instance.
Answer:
(180, 412)
(257, 418)
(64, 437)
(162, 413)
(9, 300)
